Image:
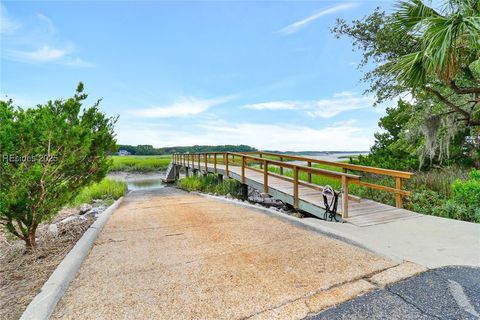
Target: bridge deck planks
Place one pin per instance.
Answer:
(361, 213)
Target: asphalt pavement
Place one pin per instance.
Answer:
(445, 293)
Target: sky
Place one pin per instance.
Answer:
(269, 74)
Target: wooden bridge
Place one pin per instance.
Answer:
(292, 179)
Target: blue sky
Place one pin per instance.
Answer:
(268, 74)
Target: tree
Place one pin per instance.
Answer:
(433, 56)
(48, 154)
(445, 61)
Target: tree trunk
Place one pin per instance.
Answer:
(30, 242)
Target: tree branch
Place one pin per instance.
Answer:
(458, 90)
(448, 102)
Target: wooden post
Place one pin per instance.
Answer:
(206, 164)
(398, 196)
(344, 197)
(265, 176)
(243, 169)
(226, 164)
(295, 187)
(281, 168)
(215, 163)
(199, 162)
(309, 163)
(261, 163)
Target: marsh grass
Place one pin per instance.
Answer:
(107, 189)
(140, 163)
(210, 184)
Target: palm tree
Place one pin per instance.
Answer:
(446, 60)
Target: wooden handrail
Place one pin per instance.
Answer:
(348, 166)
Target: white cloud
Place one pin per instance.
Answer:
(297, 26)
(263, 136)
(323, 108)
(7, 24)
(187, 106)
(43, 54)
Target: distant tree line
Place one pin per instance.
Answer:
(150, 150)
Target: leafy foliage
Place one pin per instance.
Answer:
(467, 192)
(48, 154)
(433, 55)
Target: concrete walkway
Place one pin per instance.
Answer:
(427, 240)
(167, 254)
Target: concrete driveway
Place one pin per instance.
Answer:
(167, 254)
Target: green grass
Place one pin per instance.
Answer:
(108, 190)
(209, 184)
(140, 163)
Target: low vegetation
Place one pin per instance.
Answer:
(210, 184)
(140, 163)
(107, 190)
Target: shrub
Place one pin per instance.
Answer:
(48, 154)
(467, 193)
(106, 189)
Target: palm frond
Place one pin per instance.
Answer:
(411, 13)
(410, 69)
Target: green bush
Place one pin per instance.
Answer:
(467, 193)
(210, 184)
(108, 190)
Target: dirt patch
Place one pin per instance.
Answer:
(23, 274)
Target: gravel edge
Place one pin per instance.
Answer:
(44, 303)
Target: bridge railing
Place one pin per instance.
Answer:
(202, 160)
(346, 167)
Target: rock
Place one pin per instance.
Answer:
(269, 200)
(228, 196)
(264, 195)
(52, 230)
(84, 208)
(72, 218)
(98, 203)
(93, 213)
